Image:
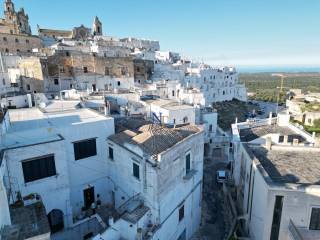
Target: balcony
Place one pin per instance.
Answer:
(302, 233)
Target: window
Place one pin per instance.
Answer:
(28, 87)
(85, 69)
(210, 128)
(123, 71)
(188, 163)
(138, 69)
(27, 40)
(7, 50)
(85, 149)
(107, 71)
(41, 167)
(62, 70)
(56, 81)
(185, 119)
(17, 40)
(277, 212)
(136, 171)
(118, 83)
(18, 50)
(315, 219)
(172, 93)
(3, 81)
(67, 54)
(181, 213)
(281, 139)
(111, 153)
(5, 39)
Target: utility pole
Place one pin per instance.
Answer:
(280, 91)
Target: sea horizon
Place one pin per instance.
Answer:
(274, 69)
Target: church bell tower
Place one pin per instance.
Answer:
(9, 10)
(97, 27)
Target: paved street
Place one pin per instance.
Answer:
(213, 219)
(267, 107)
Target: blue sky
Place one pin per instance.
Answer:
(235, 32)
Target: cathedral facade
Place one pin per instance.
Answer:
(15, 31)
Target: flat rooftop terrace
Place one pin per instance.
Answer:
(299, 165)
(31, 118)
(168, 104)
(250, 134)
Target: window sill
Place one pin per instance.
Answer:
(190, 175)
(41, 180)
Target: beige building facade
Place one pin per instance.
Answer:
(15, 31)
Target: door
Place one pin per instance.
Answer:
(113, 198)
(183, 235)
(55, 218)
(88, 196)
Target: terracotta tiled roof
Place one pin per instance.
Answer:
(153, 138)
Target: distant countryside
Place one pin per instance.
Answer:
(266, 86)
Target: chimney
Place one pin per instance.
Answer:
(106, 108)
(29, 100)
(295, 142)
(270, 118)
(139, 234)
(268, 143)
(110, 221)
(285, 139)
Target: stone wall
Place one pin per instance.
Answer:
(18, 44)
(75, 64)
(143, 70)
(33, 73)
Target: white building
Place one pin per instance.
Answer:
(304, 108)
(68, 158)
(167, 56)
(9, 73)
(159, 175)
(58, 155)
(217, 84)
(170, 112)
(276, 172)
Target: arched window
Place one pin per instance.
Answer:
(55, 218)
(185, 119)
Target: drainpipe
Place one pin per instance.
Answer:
(1, 62)
(270, 118)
